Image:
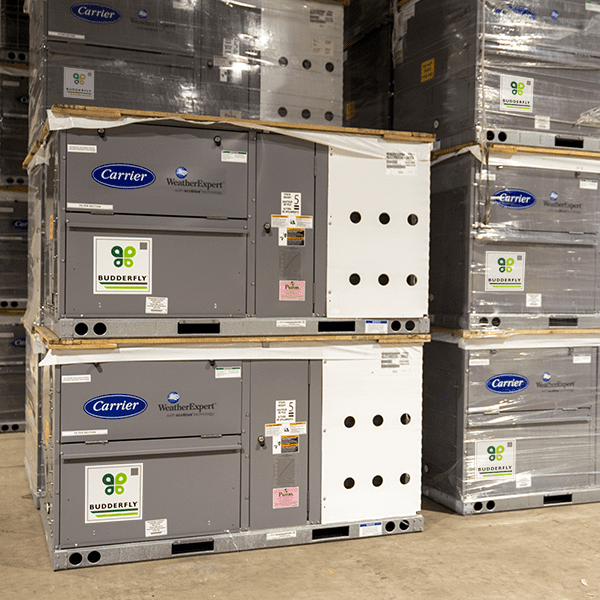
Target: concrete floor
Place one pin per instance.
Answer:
(551, 554)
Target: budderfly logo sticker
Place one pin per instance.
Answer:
(495, 452)
(114, 485)
(505, 265)
(123, 257)
(122, 265)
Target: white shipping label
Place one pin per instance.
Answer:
(157, 305)
(122, 265)
(395, 362)
(84, 206)
(368, 529)
(78, 83)
(322, 17)
(486, 176)
(5, 209)
(76, 379)
(10, 83)
(523, 480)
(588, 184)
(66, 36)
(593, 6)
(156, 527)
(582, 359)
(82, 149)
(84, 432)
(291, 203)
(285, 411)
(479, 362)
(400, 163)
(234, 156)
(542, 122)
(495, 459)
(376, 326)
(281, 535)
(516, 94)
(504, 271)
(291, 323)
(228, 372)
(7, 334)
(113, 493)
(323, 48)
(533, 300)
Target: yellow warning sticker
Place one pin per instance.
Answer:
(350, 110)
(427, 70)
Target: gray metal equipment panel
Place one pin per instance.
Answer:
(157, 26)
(279, 465)
(13, 218)
(14, 95)
(13, 262)
(149, 400)
(193, 172)
(284, 267)
(206, 258)
(172, 487)
(12, 394)
(12, 341)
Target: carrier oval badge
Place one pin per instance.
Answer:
(19, 224)
(19, 342)
(123, 176)
(507, 383)
(95, 13)
(512, 198)
(115, 406)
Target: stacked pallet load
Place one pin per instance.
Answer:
(511, 376)
(14, 85)
(211, 321)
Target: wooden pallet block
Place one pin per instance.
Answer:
(465, 334)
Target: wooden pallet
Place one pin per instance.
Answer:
(465, 334)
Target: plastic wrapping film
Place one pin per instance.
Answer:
(14, 25)
(13, 150)
(265, 59)
(368, 77)
(514, 235)
(509, 422)
(33, 428)
(12, 373)
(362, 16)
(468, 70)
(14, 92)
(36, 202)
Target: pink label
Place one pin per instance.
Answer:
(291, 290)
(286, 497)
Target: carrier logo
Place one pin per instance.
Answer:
(24, 99)
(18, 343)
(115, 406)
(123, 176)
(95, 13)
(507, 383)
(513, 198)
(20, 224)
(523, 10)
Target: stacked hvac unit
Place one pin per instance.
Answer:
(510, 415)
(229, 318)
(14, 83)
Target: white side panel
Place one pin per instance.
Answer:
(397, 250)
(390, 387)
(293, 33)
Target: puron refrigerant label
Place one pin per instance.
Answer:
(292, 291)
(113, 493)
(122, 265)
(495, 459)
(504, 271)
(78, 83)
(516, 94)
(286, 497)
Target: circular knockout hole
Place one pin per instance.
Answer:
(383, 279)
(404, 478)
(377, 420)
(75, 558)
(15, 427)
(412, 219)
(405, 419)
(377, 480)
(355, 217)
(496, 322)
(502, 136)
(4, 304)
(490, 135)
(491, 505)
(306, 114)
(410, 325)
(14, 304)
(384, 218)
(411, 280)
(22, 56)
(404, 525)
(483, 321)
(329, 116)
(329, 67)
(99, 328)
(349, 483)
(81, 329)
(349, 422)
(390, 526)
(396, 325)
(5, 428)
(10, 180)
(306, 64)
(20, 181)
(93, 557)
(477, 506)
(355, 279)
(12, 55)
(283, 61)
(282, 112)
